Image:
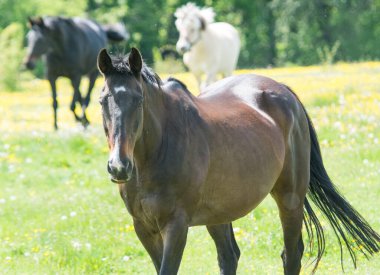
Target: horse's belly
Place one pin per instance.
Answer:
(229, 195)
(243, 169)
(226, 210)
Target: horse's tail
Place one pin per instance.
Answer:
(116, 32)
(349, 226)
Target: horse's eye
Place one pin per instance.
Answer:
(103, 100)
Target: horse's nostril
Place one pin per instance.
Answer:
(109, 167)
(29, 65)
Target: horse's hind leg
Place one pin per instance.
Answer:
(92, 78)
(227, 248)
(75, 82)
(77, 97)
(293, 245)
(289, 194)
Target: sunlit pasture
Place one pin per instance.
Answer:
(60, 214)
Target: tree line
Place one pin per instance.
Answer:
(273, 32)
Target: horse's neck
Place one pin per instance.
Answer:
(148, 145)
(167, 119)
(205, 44)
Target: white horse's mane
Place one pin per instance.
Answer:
(190, 9)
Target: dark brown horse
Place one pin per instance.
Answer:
(182, 161)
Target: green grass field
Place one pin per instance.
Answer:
(60, 214)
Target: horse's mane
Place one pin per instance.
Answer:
(182, 85)
(190, 9)
(121, 65)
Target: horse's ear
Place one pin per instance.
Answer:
(104, 62)
(40, 22)
(35, 21)
(30, 22)
(135, 60)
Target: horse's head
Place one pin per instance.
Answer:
(38, 41)
(122, 109)
(190, 23)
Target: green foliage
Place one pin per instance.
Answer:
(273, 32)
(327, 55)
(11, 55)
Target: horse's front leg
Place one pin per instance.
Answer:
(227, 248)
(152, 242)
(54, 99)
(174, 235)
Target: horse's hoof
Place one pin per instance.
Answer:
(85, 123)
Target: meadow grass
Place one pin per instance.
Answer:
(59, 213)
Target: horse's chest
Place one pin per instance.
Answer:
(157, 205)
(151, 207)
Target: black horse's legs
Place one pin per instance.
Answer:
(54, 98)
(174, 235)
(152, 241)
(76, 97)
(92, 78)
(75, 82)
(227, 248)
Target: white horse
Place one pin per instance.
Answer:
(209, 48)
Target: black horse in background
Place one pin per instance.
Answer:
(70, 47)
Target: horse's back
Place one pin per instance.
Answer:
(93, 36)
(227, 44)
(80, 40)
(255, 91)
(225, 31)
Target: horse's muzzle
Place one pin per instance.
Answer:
(183, 47)
(30, 62)
(120, 172)
(30, 65)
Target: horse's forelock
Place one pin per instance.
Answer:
(185, 10)
(120, 63)
(190, 11)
